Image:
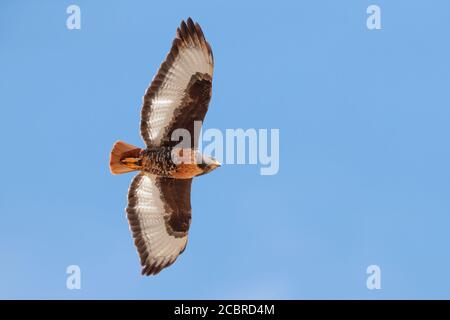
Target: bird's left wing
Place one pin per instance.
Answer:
(180, 92)
(159, 213)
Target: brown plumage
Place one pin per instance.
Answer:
(159, 209)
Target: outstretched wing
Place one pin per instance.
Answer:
(180, 92)
(159, 213)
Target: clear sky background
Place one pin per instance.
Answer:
(364, 119)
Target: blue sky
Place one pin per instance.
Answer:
(364, 119)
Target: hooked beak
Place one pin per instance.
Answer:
(215, 164)
(206, 168)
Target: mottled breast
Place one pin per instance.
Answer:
(171, 162)
(158, 161)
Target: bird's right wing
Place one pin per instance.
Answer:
(180, 92)
(159, 213)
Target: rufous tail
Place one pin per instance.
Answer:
(124, 158)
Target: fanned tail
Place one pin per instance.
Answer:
(124, 158)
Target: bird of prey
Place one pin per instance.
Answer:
(159, 208)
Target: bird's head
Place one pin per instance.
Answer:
(208, 164)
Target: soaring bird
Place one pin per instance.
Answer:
(159, 208)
